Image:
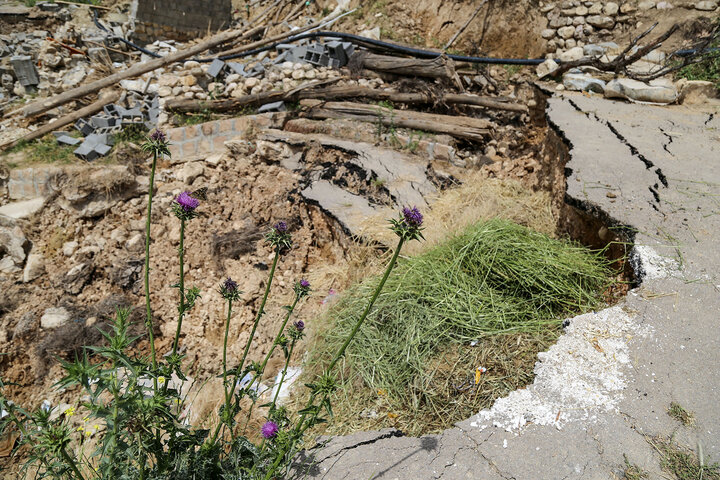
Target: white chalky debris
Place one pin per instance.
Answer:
(652, 263)
(579, 376)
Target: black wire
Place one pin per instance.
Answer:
(126, 42)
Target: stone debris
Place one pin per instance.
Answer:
(658, 91)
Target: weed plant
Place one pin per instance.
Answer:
(136, 404)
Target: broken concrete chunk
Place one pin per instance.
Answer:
(546, 68)
(68, 140)
(34, 267)
(583, 83)
(695, 92)
(22, 209)
(273, 107)
(25, 70)
(633, 90)
(54, 317)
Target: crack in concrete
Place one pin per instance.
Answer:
(342, 451)
(710, 118)
(667, 144)
(633, 149)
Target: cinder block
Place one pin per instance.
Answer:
(67, 140)
(86, 152)
(102, 149)
(84, 127)
(216, 68)
(238, 68)
(273, 107)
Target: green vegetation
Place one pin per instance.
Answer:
(677, 412)
(42, 150)
(498, 286)
(684, 463)
(196, 118)
(633, 472)
(708, 71)
(134, 133)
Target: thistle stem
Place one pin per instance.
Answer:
(284, 372)
(260, 311)
(227, 329)
(71, 463)
(302, 426)
(149, 322)
(181, 285)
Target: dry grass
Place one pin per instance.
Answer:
(683, 416)
(451, 211)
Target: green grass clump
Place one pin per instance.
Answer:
(495, 280)
(683, 416)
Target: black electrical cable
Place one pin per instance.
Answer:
(126, 42)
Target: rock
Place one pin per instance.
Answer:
(165, 91)
(251, 83)
(34, 267)
(570, 43)
(595, 9)
(548, 33)
(646, 5)
(655, 56)
(655, 92)
(7, 265)
(167, 80)
(136, 243)
(373, 33)
(575, 53)
(546, 68)
(593, 50)
(599, 21)
(695, 92)
(189, 80)
(54, 317)
(706, 6)
(583, 83)
(547, 8)
(22, 209)
(664, 6)
(190, 172)
(69, 248)
(581, 11)
(628, 8)
(578, 21)
(13, 244)
(566, 32)
(73, 77)
(76, 278)
(611, 8)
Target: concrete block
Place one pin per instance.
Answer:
(103, 121)
(273, 107)
(216, 68)
(238, 68)
(95, 139)
(102, 149)
(86, 152)
(68, 140)
(25, 70)
(84, 127)
(337, 51)
(111, 110)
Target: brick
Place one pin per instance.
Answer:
(176, 135)
(219, 142)
(176, 150)
(209, 128)
(204, 145)
(227, 125)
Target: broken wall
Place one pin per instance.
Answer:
(180, 19)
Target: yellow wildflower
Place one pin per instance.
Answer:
(70, 412)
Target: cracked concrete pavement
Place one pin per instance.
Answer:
(655, 172)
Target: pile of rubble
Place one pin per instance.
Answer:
(573, 24)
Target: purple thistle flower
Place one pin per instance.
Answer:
(299, 325)
(158, 136)
(281, 227)
(412, 216)
(187, 202)
(230, 285)
(304, 283)
(269, 429)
